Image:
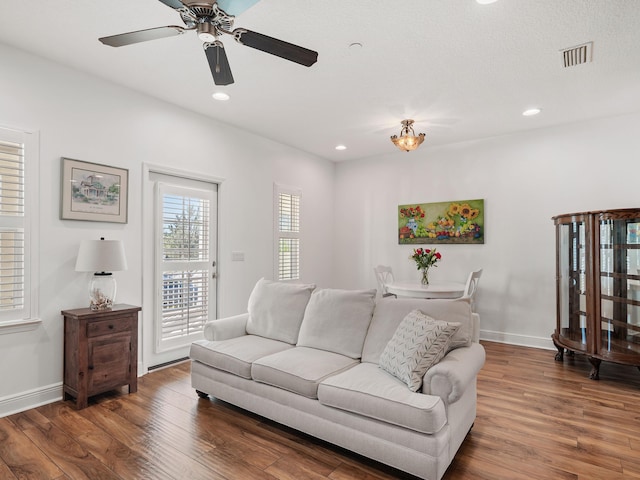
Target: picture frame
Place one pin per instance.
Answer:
(93, 192)
(454, 222)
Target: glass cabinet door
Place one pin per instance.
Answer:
(572, 284)
(619, 259)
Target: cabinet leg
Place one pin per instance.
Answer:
(560, 355)
(595, 371)
(81, 402)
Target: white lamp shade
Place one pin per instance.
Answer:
(101, 256)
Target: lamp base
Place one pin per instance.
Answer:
(102, 291)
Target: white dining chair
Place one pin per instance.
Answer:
(472, 286)
(384, 276)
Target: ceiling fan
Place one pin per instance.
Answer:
(210, 21)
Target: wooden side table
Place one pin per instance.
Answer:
(100, 351)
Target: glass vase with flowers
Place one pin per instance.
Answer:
(425, 259)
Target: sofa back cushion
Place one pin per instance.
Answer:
(337, 321)
(389, 312)
(276, 309)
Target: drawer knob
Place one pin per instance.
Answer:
(110, 327)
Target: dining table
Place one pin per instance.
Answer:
(432, 290)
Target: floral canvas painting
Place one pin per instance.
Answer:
(461, 221)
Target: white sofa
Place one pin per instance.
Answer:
(311, 361)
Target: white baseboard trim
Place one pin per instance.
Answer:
(30, 399)
(515, 339)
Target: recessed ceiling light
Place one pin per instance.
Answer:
(486, 2)
(341, 147)
(355, 45)
(530, 112)
(223, 97)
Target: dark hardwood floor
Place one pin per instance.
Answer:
(537, 419)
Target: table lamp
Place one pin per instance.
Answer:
(101, 257)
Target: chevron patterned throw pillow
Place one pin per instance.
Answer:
(418, 343)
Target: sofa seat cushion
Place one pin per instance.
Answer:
(276, 309)
(337, 321)
(300, 369)
(235, 355)
(369, 391)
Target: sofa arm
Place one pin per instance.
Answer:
(450, 377)
(225, 328)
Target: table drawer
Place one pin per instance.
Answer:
(107, 327)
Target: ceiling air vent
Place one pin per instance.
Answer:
(577, 55)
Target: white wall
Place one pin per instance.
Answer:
(525, 179)
(81, 117)
(349, 210)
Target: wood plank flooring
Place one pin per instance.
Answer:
(537, 419)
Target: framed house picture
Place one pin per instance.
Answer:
(93, 192)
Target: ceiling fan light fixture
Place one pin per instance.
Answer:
(207, 37)
(407, 141)
(206, 32)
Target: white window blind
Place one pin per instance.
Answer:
(13, 291)
(287, 208)
(184, 263)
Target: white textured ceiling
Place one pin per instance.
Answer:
(461, 70)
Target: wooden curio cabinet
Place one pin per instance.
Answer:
(598, 286)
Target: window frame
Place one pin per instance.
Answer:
(27, 317)
(278, 190)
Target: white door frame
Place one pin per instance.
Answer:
(147, 254)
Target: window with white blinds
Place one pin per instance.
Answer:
(15, 291)
(184, 263)
(287, 222)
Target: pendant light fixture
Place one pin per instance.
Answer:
(407, 140)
